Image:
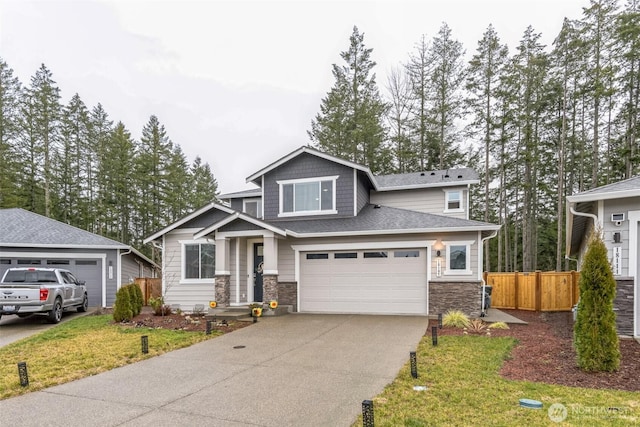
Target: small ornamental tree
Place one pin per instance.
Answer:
(594, 335)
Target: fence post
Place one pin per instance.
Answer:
(538, 290)
(516, 287)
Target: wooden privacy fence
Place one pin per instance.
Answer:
(536, 291)
(151, 287)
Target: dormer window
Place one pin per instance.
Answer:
(310, 196)
(453, 201)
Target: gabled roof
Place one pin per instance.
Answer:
(378, 220)
(256, 192)
(241, 216)
(255, 178)
(22, 228)
(186, 219)
(439, 178)
(618, 190)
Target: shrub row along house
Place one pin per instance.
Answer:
(325, 235)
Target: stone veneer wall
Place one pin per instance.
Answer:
(223, 290)
(623, 306)
(463, 296)
(269, 287)
(288, 294)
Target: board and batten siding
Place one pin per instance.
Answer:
(428, 200)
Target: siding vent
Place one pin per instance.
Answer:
(421, 173)
(459, 176)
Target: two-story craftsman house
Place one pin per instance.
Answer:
(325, 235)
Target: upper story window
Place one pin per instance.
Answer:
(199, 261)
(453, 201)
(253, 207)
(311, 196)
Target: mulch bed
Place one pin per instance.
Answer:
(545, 353)
(182, 322)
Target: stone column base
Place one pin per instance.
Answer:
(223, 290)
(269, 287)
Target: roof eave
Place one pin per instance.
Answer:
(592, 197)
(490, 227)
(430, 185)
(60, 246)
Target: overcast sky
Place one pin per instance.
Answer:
(236, 82)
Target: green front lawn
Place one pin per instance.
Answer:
(82, 347)
(465, 389)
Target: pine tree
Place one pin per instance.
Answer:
(447, 76)
(483, 79)
(350, 122)
(204, 187)
(45, 110)
(595, 337)
(10, 157)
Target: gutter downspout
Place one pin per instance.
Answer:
(484, 284)
(583, 214)
(120, 254)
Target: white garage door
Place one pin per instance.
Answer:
(388, 281)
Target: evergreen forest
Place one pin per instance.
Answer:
(537, 122)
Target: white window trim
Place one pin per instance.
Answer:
(253, 200)
(446, 201)
(303, 180)
(447, 271)
(183, 253)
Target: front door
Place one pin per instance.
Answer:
(258, 266)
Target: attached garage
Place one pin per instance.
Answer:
(364, 281)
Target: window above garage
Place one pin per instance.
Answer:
(309, 196)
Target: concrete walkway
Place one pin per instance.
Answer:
(494, 315)
(295, 370)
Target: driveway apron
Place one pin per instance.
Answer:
(312, 370)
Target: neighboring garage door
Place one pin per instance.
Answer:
(89, 270)
(388, 281)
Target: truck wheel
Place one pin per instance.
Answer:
(85, 304)
(55, 315)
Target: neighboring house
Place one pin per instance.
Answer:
(29, 239)
(615, 208)
(325, 235)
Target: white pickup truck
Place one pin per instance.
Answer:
(48, 291)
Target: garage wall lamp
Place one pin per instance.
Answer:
(438, 263)
(438, 254)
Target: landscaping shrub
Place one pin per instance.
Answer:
(455, 319)
(159, 307)
(595, 337)
(137, 300)
(122, 311)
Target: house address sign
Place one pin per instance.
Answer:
(617, 261)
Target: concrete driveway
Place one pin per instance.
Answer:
(13, 328)
(311, 370)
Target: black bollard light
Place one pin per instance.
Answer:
(440, 321)
(414, 366)
(208, 331)
(434, 335)
(24, 375)
(367, 413)
(145, 344)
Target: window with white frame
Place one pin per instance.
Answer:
(199, 261)
(458, 259)
(314, 196)
(253, 207)
(453, 201)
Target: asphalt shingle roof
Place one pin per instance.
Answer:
(19, 227)
(427, 179)
(626, 185)
(382, 218)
